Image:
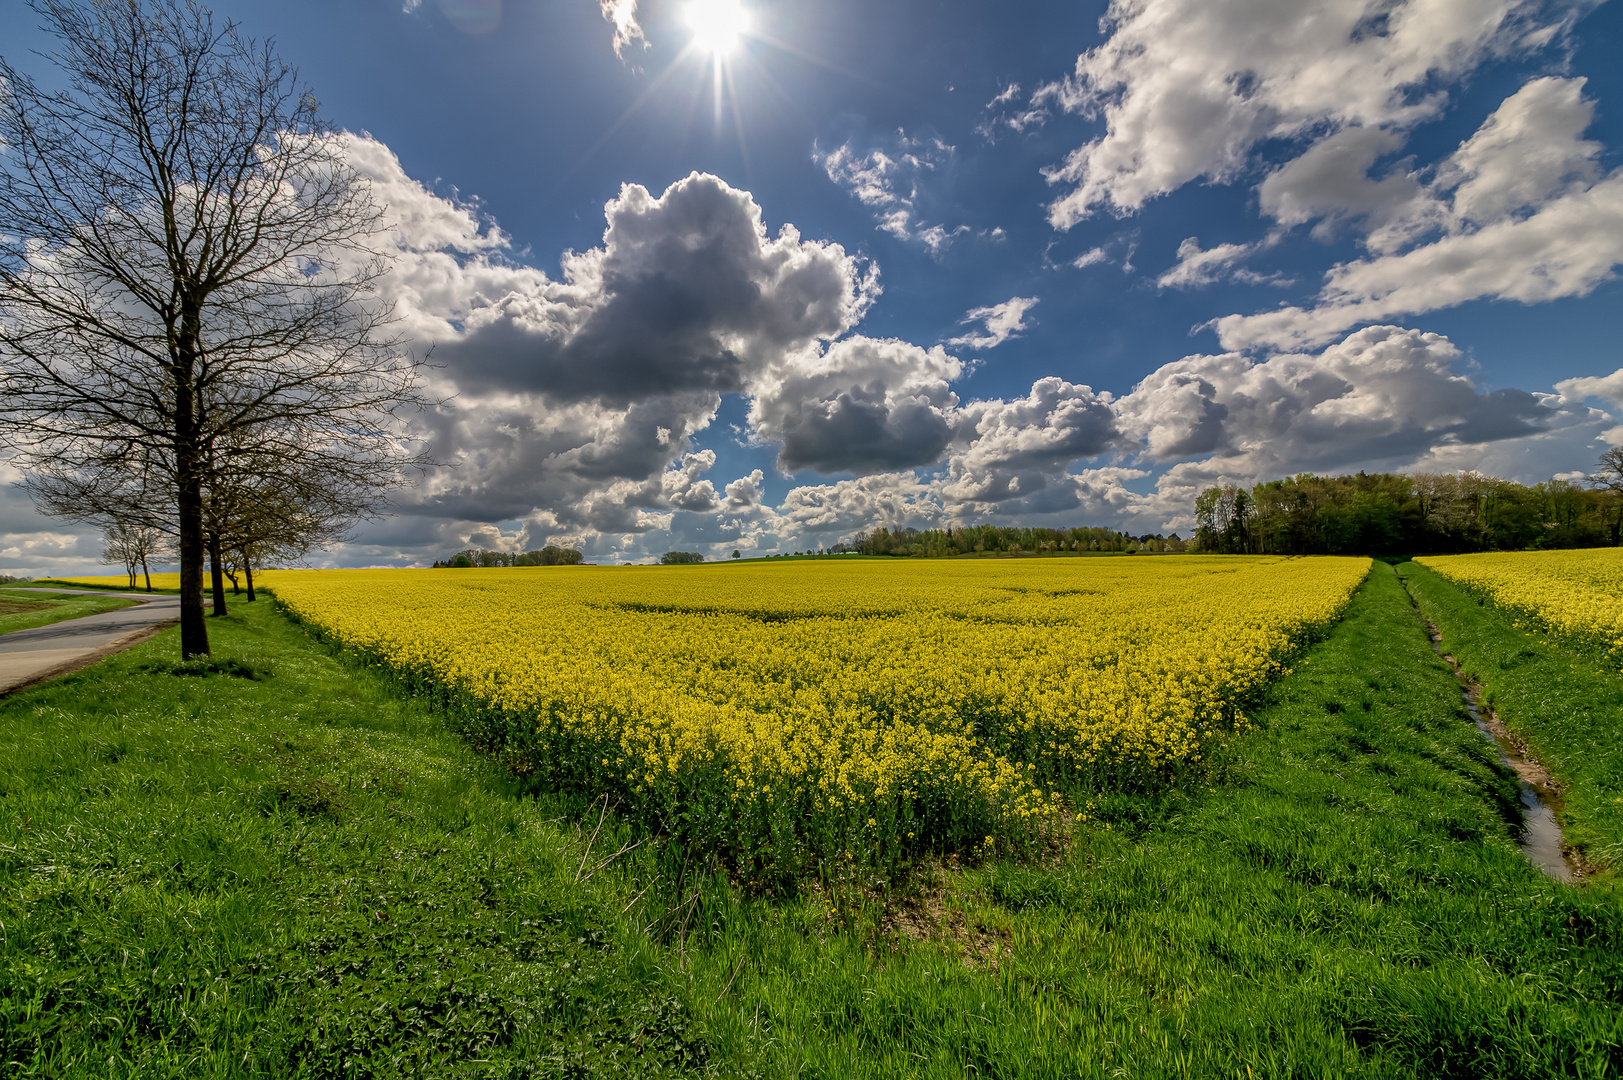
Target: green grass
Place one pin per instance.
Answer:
(296, 872)
(274, 864)
(1560, 697)
(25, 610)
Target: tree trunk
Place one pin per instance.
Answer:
(148, 573)
(248, 572)
(194, 633)
(216, 574)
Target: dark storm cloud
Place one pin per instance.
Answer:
(686, 294)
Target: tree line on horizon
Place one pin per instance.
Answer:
(1001, 540)
(551, 555)
(1395, 513)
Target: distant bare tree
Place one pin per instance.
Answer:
(265, 506)
(188, 271)
(278, 507)
(134, 547)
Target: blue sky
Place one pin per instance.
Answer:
(925, 263)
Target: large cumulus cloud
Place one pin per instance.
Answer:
(574, 397)
(861, 405)
(687, 293)
(1382, 394)
(1016, 449)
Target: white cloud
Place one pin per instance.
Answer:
(1001, 321)
(1005, 96)
(1330, 182)
(1197, 267)
(860, 405)
(1518, 212)
(1528, 152)
(1567, 248)
(686, 293)
(682, 488)
(1090, 257)
(1017, 449)
(1188, 88)
(1004, 111)
(577, 396)
(745, 495)
(1383, 396)
(1607, 388)
(888, 181)
(623, 15)
(894, 500)
(32, 545)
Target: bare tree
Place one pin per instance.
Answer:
(187, 270)
(1608, 476)
(264, 506)
(281, 506)
(134, 547)
(116, 552)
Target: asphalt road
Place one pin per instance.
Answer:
(30, 656)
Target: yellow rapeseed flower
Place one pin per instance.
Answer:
(827, 697)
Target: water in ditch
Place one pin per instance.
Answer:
(1541, 831)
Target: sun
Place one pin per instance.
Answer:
(717, 25)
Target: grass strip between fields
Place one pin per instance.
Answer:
(1562, 699)
(22, 610)
(292, 870)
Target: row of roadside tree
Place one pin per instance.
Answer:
(193, 352)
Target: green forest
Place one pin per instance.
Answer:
(1002, 540)
(1366, 514)
(547, 556)
(1391, 513)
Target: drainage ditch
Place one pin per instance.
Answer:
(1541, 840)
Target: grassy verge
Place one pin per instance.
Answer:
(25, 610)
(291, 870)
(1351, 904)
(1562, 699)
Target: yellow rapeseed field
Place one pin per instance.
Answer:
(1578, 594)
(119, 581)
(782, 712)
